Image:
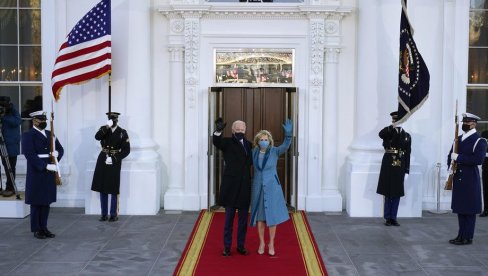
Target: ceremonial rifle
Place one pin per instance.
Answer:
(54, 160)
(450, 178)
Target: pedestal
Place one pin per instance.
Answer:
(363, 201)
(10, 207)
(140, 189)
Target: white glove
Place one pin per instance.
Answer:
(108, 161)
(454, 156)
(51, 167)
(55, 154)
(110, 123)
(406, 177)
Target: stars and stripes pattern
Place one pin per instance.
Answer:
(86, 53)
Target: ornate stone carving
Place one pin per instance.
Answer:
(192, 45)
(177, 26)
(317, 39)
(331, 27)
(191, 97)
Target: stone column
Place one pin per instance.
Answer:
(173, 196)
(192, 79)
(330, 184)
(313, 199)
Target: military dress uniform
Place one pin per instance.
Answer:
(466, 189)
(40, 183)
(106, 178)
(395, 164)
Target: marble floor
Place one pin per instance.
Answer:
(151, 245)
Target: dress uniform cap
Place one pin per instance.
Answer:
(394, 115)
(113, 115)
(38, 115)
(468, 117)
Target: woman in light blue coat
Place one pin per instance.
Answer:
(268, 205)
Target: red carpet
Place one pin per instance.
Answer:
(296, 250)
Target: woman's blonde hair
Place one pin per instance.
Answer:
(260, 134)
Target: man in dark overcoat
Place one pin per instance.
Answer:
(40, 182)
(484, 178)
(106, 178)
(10, 127)
(235, 189)
(466, 187)
(395, 168)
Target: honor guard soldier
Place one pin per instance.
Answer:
(40, 183)
(10, 126)
(466, 187)
(395, 168)
(106, 179)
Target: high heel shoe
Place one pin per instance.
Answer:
(271, 250)
(261, 250)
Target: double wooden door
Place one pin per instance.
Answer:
(261, 108)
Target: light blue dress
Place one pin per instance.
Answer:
(267, 200)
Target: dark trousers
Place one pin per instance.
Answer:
(241, 226)
(38, 217)
(113, 204)
(13, 162)
(391, 207)
(466, 225)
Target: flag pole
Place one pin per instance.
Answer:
(109, 92)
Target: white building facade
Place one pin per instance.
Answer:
(345, 72)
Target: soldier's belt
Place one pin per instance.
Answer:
(43, 155)
(394, 151)
(111, 151)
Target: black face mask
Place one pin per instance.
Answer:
(42, 125)
(239, 135)
(465, 127)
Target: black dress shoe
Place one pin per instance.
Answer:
(8, 193)
(113, 218)
(103, 218)
(48, 234)
(484, 214)
(388, 222)
(39, 235)
(226, 252)
(394, 222)
(456, 239)
(463, 242)
(242, 251)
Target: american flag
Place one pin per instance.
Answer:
(413, 74)
(86, 53)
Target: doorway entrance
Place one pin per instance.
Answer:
(261, 108)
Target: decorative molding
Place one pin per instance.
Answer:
(192, 47)
(265, 11)
(176, 53)
(177, 26)
(191, 97)
(317, 40)
(315, 98)
(331, 27)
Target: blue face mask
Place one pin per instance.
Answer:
(263, 144)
